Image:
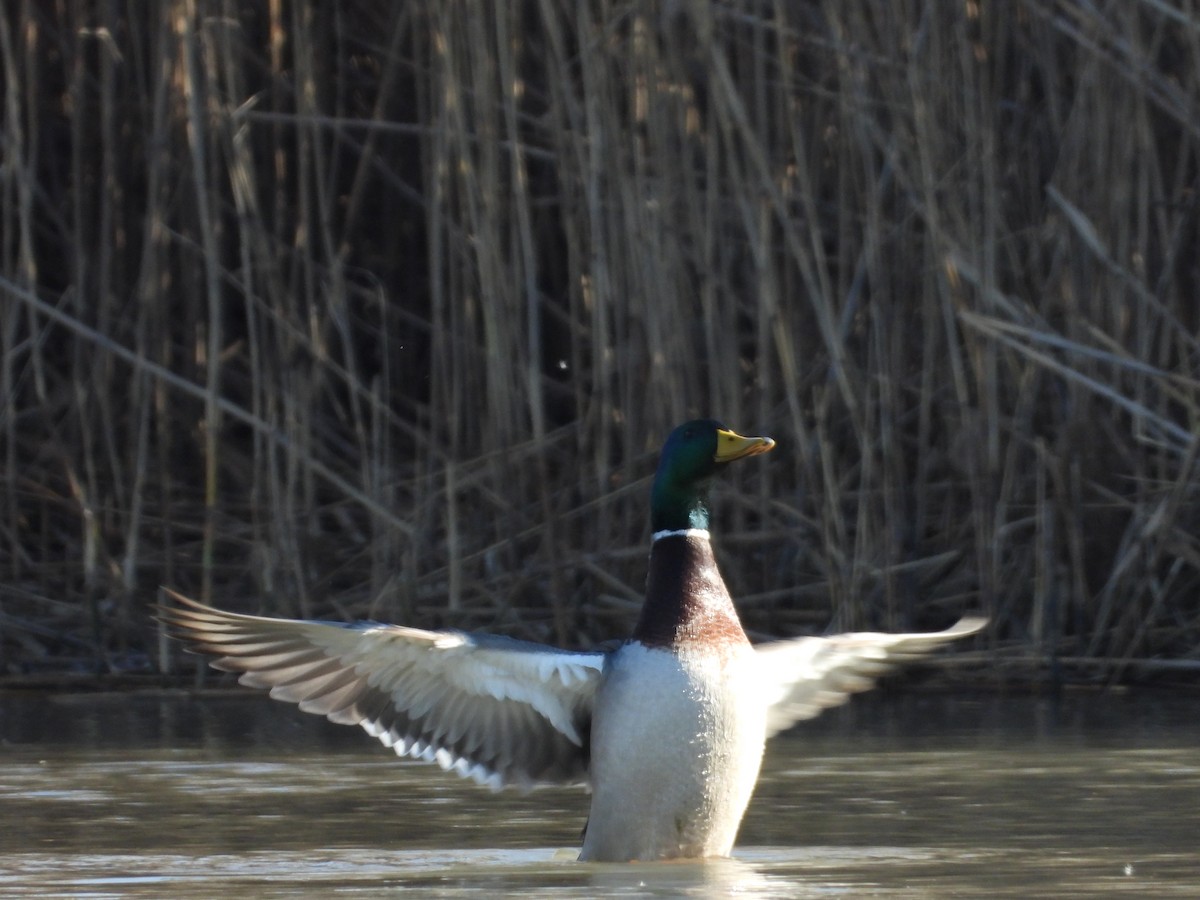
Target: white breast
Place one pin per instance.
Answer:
(677, 740)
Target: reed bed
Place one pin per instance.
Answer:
(383, 310)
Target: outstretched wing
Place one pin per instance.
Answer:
(810, 674)
(492, 708)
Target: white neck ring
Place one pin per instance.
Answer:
(680, 532)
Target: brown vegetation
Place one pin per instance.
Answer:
(383, 309)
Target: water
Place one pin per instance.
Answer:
(900, 796)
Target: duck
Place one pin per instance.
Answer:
(666, 729)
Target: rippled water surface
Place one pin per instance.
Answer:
(894, 796)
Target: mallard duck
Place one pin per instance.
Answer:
(667, 729)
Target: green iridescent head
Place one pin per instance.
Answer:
(692, 455)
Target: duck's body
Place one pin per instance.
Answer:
(690, 672)
(667, 730)
(684, 798)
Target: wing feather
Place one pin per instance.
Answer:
(495, 709)
(810, 674)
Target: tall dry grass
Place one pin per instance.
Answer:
(370, 309)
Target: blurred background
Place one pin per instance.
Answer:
(383, 309)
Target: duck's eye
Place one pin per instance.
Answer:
(688, 434)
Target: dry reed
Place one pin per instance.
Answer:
(382, 310)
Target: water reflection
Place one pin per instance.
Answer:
(893, 796)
